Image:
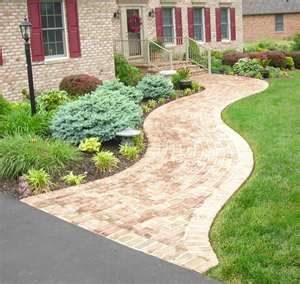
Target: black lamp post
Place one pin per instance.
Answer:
(25, 28)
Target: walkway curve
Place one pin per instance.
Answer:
(164, 205)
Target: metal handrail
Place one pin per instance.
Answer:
(163, 49)
(191, 57)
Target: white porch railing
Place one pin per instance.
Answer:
(198, 54)
(158, 55)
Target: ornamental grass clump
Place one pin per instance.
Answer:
(95, 115)
(130, 152)
(127, 91)
(19, 154)
(105, 161)
(72, 179)
(155, 87)
(39, 181)
(20, 121)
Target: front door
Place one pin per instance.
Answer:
(134, 32)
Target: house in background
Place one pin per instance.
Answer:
(270, 19)
(68, 37)
(79, 36)
(212, 23)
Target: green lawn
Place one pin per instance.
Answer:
(255, 235)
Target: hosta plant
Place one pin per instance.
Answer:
(155, 87)
(39, 181)
(51, 100)
(72, 179)
(105, 161)
(95, 115)
(90, 145)
(248, 67)
(129, 152)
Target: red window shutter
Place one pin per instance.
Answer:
(178, 20)
(191, 22)
(37, 44)
(232, 24)
(73, 28)
(218, 24)
(207, 24)
(159, 23)
(1, 56)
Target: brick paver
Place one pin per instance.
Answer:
(165, 204)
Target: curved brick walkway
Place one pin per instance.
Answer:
(165, 204)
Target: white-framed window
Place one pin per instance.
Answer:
(279, 23)
(225, 23)
(53, 28)
(198, 14)
(169, 25)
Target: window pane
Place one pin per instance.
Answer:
(168, 27)
(279, 24)
(198, 24)
(224, 23)
(53, 27)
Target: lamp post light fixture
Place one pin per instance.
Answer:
(25, 28)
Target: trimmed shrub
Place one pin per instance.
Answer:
(296, 58)
(51, 100)
(5, 106)
(289, 63)
(128, 74)
(79, 85)
(248, 67)
(277, 59)
(296, 42)
(155, 87)
(95, 115)
(128, 91)
(231, 58)
(20, 121)
(19, 154)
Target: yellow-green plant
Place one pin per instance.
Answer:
(162, 101)
(129, 152)
(152, 104)
(139, 141)
(105, 161)
(71, 179)
(39, 181)
(90, 145)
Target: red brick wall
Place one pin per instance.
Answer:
(261, 27)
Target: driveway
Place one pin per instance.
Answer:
(38, 248)
(164, 205)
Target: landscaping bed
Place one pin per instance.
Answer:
(73, 138)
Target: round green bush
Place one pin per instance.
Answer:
(128, 91)
(155, 87)
(95, 115)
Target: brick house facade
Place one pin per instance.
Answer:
(78, 36)
(276, 19)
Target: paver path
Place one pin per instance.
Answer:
(165, 204)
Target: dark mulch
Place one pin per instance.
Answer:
(86, 165)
